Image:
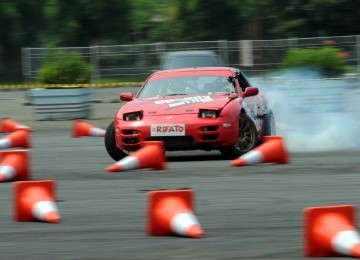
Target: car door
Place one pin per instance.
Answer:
(253, 105)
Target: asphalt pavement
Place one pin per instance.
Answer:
(253, 212)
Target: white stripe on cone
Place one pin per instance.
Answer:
(97, 131)
(43, 207)
(182, 221)
(7, 171)
(344, 241)
(20, 127)
(5, 143)
(253, 157)
(129, 163)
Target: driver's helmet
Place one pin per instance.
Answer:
(175, 86)
(220, 84)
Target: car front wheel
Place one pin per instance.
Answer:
(110, 144)
(247, 139)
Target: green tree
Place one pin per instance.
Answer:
(308, 18)
(179, 20)
(211, 19)
(87, 22)
(145, 19)
(21, 25)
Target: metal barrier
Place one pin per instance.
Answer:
(252, 56)
(61, 103)
(52, 86)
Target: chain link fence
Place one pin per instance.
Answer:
(114, 62)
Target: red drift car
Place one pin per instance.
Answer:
(193, 108)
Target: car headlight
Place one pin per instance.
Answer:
(208, 113)
(133, 116)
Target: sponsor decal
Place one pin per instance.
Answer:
(226, 125)
(176, 102)
(168, 130)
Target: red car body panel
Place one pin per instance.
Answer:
(175, 119)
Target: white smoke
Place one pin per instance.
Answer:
(313, 113)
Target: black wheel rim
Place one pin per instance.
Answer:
(246, 135)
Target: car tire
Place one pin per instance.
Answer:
(269, 124)
(110, 144)
(247, 139)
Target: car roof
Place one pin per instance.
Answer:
(219, 71)
(197, 69)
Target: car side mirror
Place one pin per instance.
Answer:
(126, 96)
(251, 91)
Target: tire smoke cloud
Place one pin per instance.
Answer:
(314, 113)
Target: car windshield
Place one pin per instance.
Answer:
(190, 61)
(187, 85)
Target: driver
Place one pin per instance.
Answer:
(219, 85)
(175, 86)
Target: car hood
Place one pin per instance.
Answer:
(183, 104)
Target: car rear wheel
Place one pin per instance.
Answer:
(110, 144)
(247, 139)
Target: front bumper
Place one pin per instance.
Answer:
(200, 133)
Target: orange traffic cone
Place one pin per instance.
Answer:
(35, 201)
(81, 128)
(14, 165)
(271, 151)
(7, 125)
(150, 155)
(330, 231)
(19, 138)
(170, 212)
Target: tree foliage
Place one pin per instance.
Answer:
(21, 25)
(87, 22)
(311, 18)
(84, 22)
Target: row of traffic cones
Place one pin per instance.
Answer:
(152, 155)
(33, 200)
(80, 128)
(328, 231)
(169, 212)
(273, 150)
(14, 163)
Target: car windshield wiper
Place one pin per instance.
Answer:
(176, 94)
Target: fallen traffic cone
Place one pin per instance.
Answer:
(19, 138)
(170, 212)
(271, 151)
(81, 128)
(150, 155)
(330, 231)
(8, 125)
(14, 165)
(35, 201)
